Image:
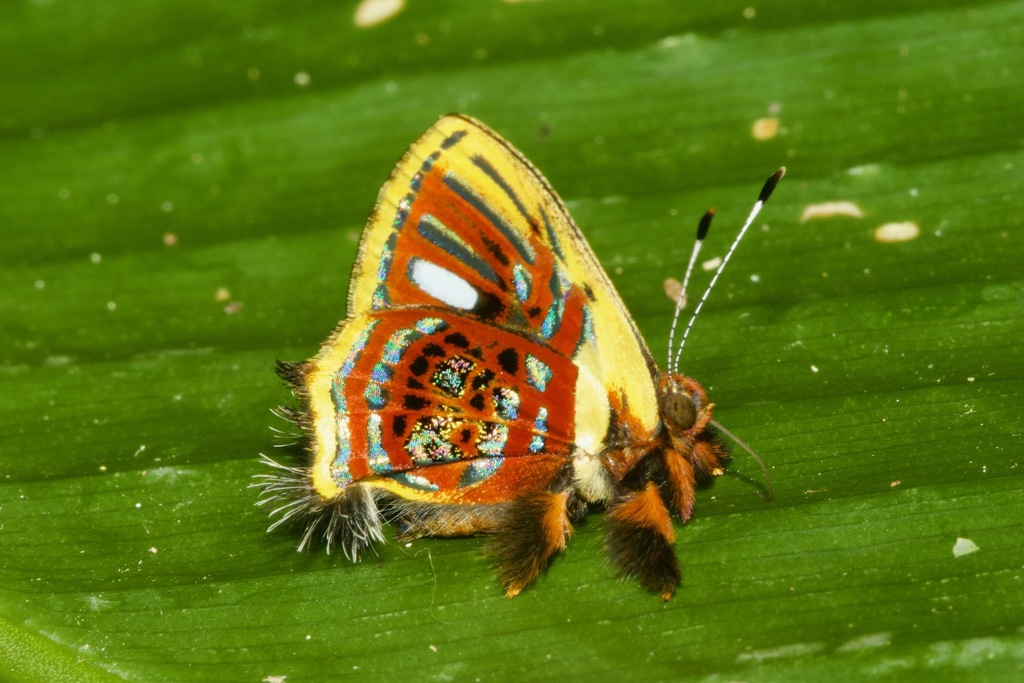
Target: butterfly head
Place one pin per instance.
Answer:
(689, 430)
(683, 405)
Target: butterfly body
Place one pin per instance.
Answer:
(489, 380)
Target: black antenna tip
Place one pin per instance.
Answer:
(769, 185)
(704, 225)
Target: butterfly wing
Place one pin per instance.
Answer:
(473, 290)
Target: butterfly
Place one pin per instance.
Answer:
(488, 379)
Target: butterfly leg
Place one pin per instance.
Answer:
(641, 538)
(681, 484)
(527, 532)
(536, 526)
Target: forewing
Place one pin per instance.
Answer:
(466, 224)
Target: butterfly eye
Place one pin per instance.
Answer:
(678, 410)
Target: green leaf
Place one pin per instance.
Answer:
(184, 184)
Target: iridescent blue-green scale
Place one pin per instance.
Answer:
(492, 440)
(553, 320)
(339, 467)
(376, 396)
(381, 299)
(430, 443)
(441, 236)
(560, 286)
(506, 403)
(402, 210)
(538, 374)
(522, 281)
(397, 344)
(417, 178)
(540, 426)
(480, 469)
(431, 325)
(381, 373)
(515, 238)
(342, 373)
(376, 455)
(414, 481)
(451, 374)
(587, 335)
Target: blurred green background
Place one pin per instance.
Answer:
(183, 185)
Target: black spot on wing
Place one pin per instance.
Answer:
(419, 366)
(411, 402)
(509, 361)
(435, 350)
(398, 425)
(483, 380)
(457, 339)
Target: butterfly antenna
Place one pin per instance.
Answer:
(702, 232)
(766, 192)
(754, 455)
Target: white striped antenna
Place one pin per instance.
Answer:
(702, 230)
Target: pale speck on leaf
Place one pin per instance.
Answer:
(964, 546)
(765, 128)
(897, 232)
(673, 288)
(373, 12)
(830, 209)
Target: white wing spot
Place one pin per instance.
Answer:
(443, 285)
